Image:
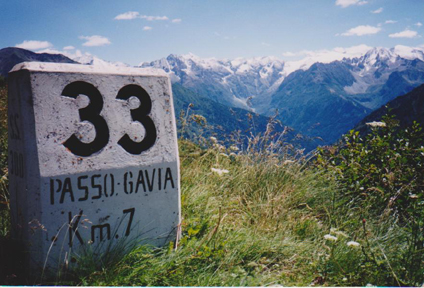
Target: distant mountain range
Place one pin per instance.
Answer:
(324, 100)
(316, 99)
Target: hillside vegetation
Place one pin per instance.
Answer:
(264, 214)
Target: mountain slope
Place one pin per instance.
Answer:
(223, 119)
(11, 56)
(407, 108)
(327, 100)
(313, 101)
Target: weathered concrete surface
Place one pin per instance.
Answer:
(117, 180)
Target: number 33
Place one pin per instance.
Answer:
(91, 113)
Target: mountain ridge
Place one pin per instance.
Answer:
(11, 56)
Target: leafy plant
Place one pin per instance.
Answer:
(381, 179)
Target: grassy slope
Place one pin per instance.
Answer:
(257, 225)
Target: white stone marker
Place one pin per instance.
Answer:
(93, 159)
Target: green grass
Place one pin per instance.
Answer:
(256, 225)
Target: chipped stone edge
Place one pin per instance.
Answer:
(91, 69)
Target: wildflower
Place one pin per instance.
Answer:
(344, 279)
(219, 147)
(353, 244)
(376, 124)
(234, 148)
(330, 237)
(340, 233)
(413, 196)
(219, 171)
(213, 139)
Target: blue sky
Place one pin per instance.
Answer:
(133, 31)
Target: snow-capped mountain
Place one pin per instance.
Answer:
(232, 82)
(327, 100)
(373, 70)
(317, 99)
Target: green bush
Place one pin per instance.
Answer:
(381, 179)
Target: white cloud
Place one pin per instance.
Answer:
(147, 28)
(34, 45)
(178, 20)
(418, 24)
(134, 14)
(377, 11)
(154, 18)
(347, 3)
(68, 48)
(404, 34)
(289, 54)
(127, 15)
(95, 40)
(390, 22)
(265, 44)
(362, 30)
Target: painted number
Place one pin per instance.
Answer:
(92, 112)
(103, 230)
(141, 115)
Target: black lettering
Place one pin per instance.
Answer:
(105, 185)
(168, 177)
(160, 178)
(128, 182)
(67, 188)
(131, 211)
(83, 187)
(112, 184)
(90, 113)
(59, 188)
(98, 186)
(140, 180)
(150, 183)
(51, 191)
(16, 164)
(140, 115)
(18, 134)
(100, 227)
(73, 228)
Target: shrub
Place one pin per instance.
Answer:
(381, 178)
